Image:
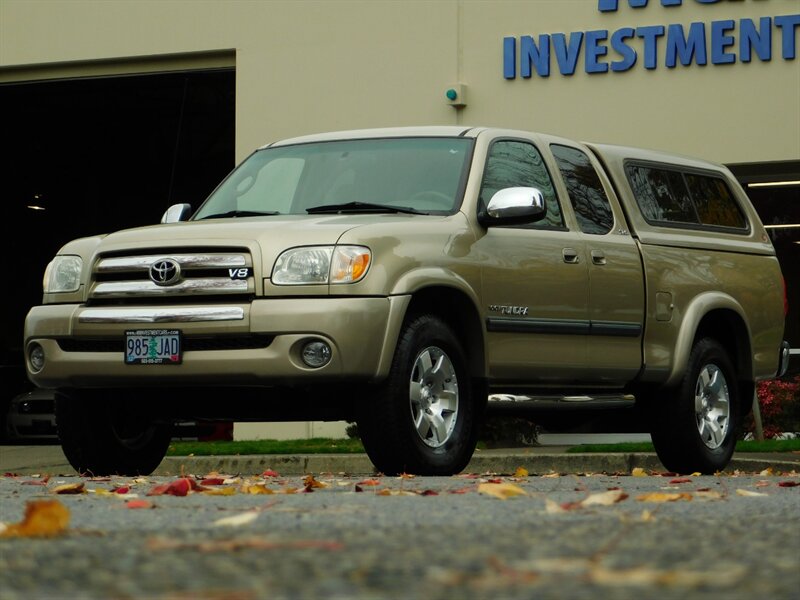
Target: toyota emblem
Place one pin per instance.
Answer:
(165, 272)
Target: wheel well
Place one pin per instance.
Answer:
(729, 329)
(457, 310)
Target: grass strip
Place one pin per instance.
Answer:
(309, 446)
(792, 445)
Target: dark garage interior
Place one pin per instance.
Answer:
(93, 155)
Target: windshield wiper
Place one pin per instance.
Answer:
(362, 207)
(240, 213)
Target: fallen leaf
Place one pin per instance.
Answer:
(502, 491)
(462, 490)
(762, 483)
(638, 472)
(220, 491)
(552, 507)
(259, 543)
(212, 481)
(604, 498)
(69, 488)
(788, 483)
(43, 518)
(406, 476)
(749, 493)
(270, 473)
(494, 480)
(369, 482)
(139, 504)
(429, 493)
(123, 489)
(310, 482)
(707, 495)
(681, 480)
(664, 497)
(42, 481)
(256, 489)
(237, 520)
(388, 492)
(521, 472)
(767, 471)
(180, 487)
(551, 475)
(696, 474)
(359, 488)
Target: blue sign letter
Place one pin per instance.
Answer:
(530, 53)
(720, 41)
(788, 24)
(595, 50)
(751, 38)
(628, 54)
(567, 56)
(510, 57)
(650, 34)
(693, 45)
(612, 5)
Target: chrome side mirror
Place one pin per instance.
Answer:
(176, 213)
(515, 205)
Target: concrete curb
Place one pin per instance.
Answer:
(505, 463)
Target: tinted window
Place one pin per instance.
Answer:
(662, 195)
(714, 202)
(519, 164)
(585, 190)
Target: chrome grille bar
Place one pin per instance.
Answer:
(186, 261)
(161, 315)
(187, 287)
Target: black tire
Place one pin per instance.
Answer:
(694, 428)
(102, 434)
(428, 426)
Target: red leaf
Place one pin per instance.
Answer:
(179, 487)
(681, 480)
(139, 504)
(429, 493)
(369, 482)
(494, 480)
(123, 489)
(668, 474)
(213, 481)
(788, 483)
(270, 473)
(158, 490)
(462, 490)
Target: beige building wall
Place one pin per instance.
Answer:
(323, 65)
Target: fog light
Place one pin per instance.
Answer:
(316, 354)
(36, 357)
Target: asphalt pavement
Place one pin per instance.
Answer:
(538, 459)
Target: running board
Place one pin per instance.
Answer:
(581, 402)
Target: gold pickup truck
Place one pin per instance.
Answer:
(397, 277)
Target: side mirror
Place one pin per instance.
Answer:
(176, 213)
(516, 205)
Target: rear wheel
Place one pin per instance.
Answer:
(102, 433)
(694, 430)
(424, 418)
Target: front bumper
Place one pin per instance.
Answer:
(83, 346)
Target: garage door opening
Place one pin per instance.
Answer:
(92, 155)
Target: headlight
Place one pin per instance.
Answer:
(321, 265)
(63, 274)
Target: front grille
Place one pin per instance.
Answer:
(190, 343)
(172, 276)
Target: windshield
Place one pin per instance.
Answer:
(415, 175)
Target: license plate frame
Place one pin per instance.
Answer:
(153, 347)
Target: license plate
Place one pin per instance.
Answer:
(153, 347)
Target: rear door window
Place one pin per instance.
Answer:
(585, 189)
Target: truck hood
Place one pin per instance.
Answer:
(264, 237)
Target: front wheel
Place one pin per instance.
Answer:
(105, 433)
(424, 418)
(694, 430)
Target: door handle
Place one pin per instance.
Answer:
(598, 257)
(570, 256)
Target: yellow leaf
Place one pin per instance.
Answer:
(256, 489)
(237, 520)
(696, 474)
(767, 471)
(502, 491)
(605, 498)
(43, 518)
(639, 472)
(521, 472)
(664, 497)
(553, 508)
(69, 488)
(551, 475)
(708, 495)
(749, 494)
(222, 491)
